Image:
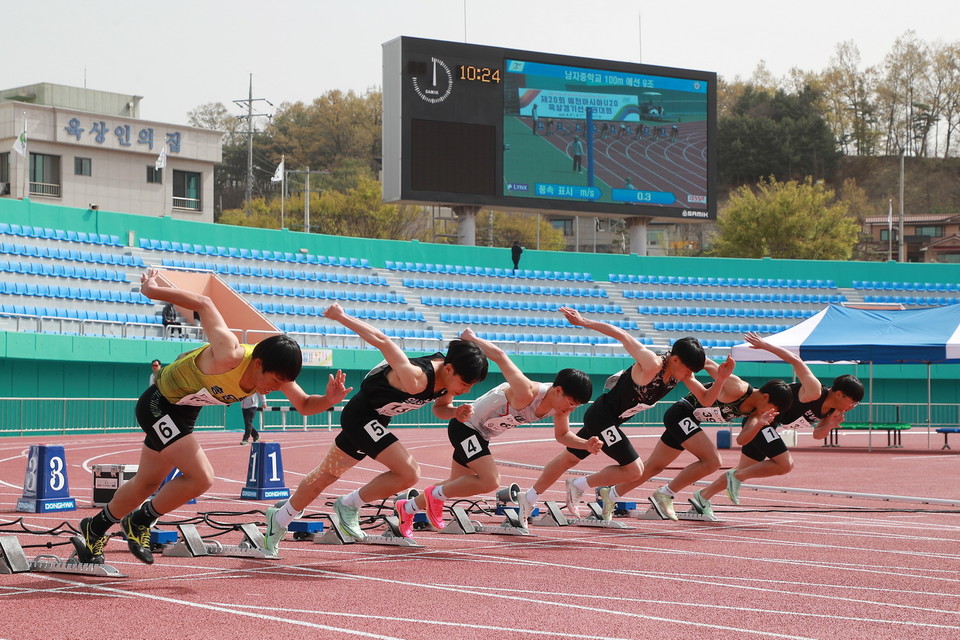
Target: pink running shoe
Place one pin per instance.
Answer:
(406, 519)
(434, 509)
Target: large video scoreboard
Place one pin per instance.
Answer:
(466, 124)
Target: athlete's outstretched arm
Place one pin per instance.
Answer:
(412, 378)
(810, 387)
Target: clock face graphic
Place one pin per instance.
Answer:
(436, 84)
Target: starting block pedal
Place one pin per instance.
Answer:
(306, 529)
(191, 545)
(462, 524)
(692, 514)
(555, 518)
(390, 537)
(14, 560)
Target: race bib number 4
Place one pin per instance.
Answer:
(708, 414)
(471, 446)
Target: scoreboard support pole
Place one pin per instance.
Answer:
(467, 224)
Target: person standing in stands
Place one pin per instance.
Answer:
(764, 453)
(518, 401)
(218, 373)
(397, 385)
(515, 251)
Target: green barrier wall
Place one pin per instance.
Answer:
(33, 365)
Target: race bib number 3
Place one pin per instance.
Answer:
(611, 435)
(166, 429)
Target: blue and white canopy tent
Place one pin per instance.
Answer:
(844, 334)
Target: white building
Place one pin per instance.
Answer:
(89, 149)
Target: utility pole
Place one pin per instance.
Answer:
(250, 115)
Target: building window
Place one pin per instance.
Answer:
(4, 173)
(44, 175)
(81, 166)
(564, 225)
(154, 175)
(186, 190)
(929, 232)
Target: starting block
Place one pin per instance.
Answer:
(461, 524)
(692, 514)
(390, 537)
(14, 560)
(191, 545)
(555, 518)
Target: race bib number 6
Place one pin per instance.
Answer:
(166, 429)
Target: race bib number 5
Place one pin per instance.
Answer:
(375, 430)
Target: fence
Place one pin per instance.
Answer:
(23, 416)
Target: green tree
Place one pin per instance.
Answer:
(791, 220)
(779, 133)
(507, 227)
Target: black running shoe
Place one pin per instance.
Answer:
(89, 546)
(138, 539)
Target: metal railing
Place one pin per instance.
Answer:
(19, 416)
(193, 204)
(45, 189)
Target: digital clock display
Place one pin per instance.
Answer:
(474, 73)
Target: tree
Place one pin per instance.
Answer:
(780, 134)
(790, 220)
(507, 227)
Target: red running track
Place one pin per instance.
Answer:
(781, 565)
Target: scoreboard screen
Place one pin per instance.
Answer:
(466, 124)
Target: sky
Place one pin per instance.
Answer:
(179, 54)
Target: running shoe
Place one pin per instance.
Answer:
(434, 509)
(138, 539)
(733, 486)
(349, 520)
(89, 546)
(525, 510)
(406, 519)
(573, 498)
(275, 533)
(701, 505)
(663, 504)
(608, 505)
